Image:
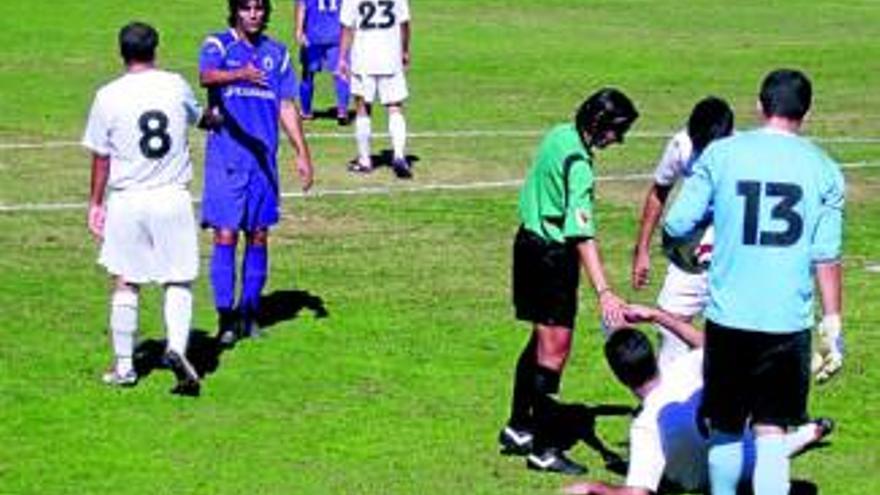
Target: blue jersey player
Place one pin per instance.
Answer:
(777, 202)
(251, 87)
(317, 33)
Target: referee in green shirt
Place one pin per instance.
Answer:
(556, 236)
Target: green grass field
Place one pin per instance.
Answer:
(401, 389)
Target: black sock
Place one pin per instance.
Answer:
(523, 387)
(544, 408)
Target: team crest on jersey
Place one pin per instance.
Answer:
(582, 218)
(268, 63)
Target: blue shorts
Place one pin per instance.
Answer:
(240, 193)
(319, 57)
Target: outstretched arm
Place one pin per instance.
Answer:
(636, 313)
(611, 304)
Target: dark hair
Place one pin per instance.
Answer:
(631, 357)
(606, 109)
(710, 119)
(138, 42)
(786, 93)
(234, 5)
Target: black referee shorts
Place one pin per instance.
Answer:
(545, 280)
(755, 377)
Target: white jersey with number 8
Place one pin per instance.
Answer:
(140, 121)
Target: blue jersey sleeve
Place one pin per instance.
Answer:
(689, 210)
(827, 237)
(286, 78)
(212, 53)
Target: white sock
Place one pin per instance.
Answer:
(397, 130)
(362, 134)
(803, 435)
(178, 316)
(123, 327)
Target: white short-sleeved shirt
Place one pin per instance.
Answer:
(665, 440)
(140, 121)
(376, 46)
(676, 160)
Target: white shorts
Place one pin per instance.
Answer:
(391, 88)
(683, 294)
(151, 236)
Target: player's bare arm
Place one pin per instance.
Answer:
(599, 488)
(292, 125)
(300, 16)
(829, 280)
(218, 77)
(636, 313)
(345, 39)
(611, 304)
(655, 200)
(404, 42)
(97, 210)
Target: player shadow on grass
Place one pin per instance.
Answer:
(573, 423)
(329, 113)
(385, 157)
(203, 350)
(283, 305)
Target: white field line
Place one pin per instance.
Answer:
(382, 190)
(457, 135)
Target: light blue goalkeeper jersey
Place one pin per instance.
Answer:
(778, 210)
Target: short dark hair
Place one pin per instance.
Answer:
(710, 119)
(631, 357)
(606, 109)
(234, 5)
(786, 93)
(138, 42)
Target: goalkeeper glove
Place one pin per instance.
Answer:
(828, 358)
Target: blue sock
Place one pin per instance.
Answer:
(771, 466)
(223, 276)
(725, 462)
(306, 91)
(343, 93)
(253, 279)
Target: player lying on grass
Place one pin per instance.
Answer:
(668, 443)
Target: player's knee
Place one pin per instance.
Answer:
(258, 238)
(553, 352)
(119, 284)
(225, 237)
(125, 297)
